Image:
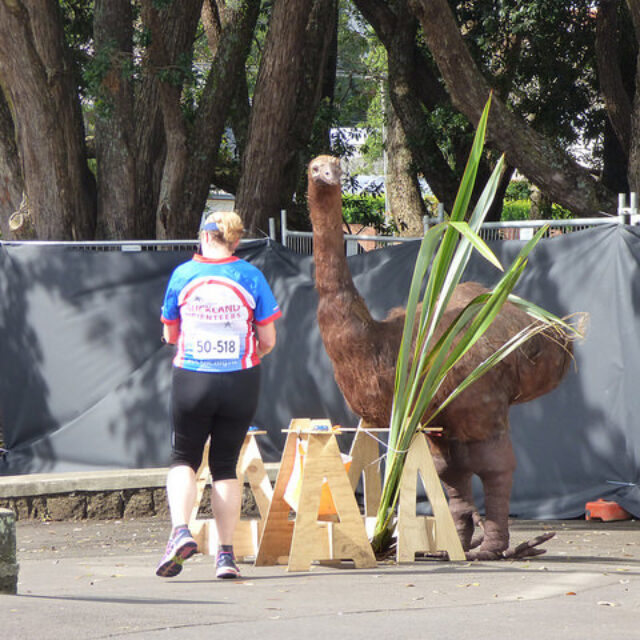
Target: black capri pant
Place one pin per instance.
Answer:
(220, 405)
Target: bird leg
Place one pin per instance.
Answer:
(461, 504)
(494, 462)
(451, 462)
(497, 488)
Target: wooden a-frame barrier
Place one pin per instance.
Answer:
(301, 541)
(415, 534)
(427, 534)
(276, 538)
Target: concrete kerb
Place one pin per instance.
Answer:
(100, 494)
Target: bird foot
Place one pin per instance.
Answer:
(527, 549)
(523, 550)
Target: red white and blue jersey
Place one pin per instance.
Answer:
(217, 303)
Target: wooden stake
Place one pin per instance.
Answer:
(365, 457)
(278, 529)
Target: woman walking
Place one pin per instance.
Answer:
(220, 313)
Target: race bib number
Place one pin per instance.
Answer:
(215, 347)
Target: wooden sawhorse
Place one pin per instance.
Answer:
(299, 542)
(430, 534)
(415, 534)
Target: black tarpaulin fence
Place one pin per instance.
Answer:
(84, 378)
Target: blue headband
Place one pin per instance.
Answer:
(210, 226)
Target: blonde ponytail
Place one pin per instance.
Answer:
(229, 228)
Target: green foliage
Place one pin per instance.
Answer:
(540, 55)
(521, 210)
(516, 210)
(360, 89)
(361, 67)
(560, 213)
(518, 190)
(450, 130)
(142, 36)
(368, 210)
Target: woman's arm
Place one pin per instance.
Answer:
(170, 332)
(266, 334)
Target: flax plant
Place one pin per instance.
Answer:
(424, 361)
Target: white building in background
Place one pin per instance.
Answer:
(220, 201)
(370, 176)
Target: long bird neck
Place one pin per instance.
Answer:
(332, 271)
(339, 303)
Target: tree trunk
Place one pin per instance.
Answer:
(285, 101)
(414, 87)
(151, 151)
(402, 188)
(115, 136)
(172, 27)
(35, 72)
(227, 72)
(411, 86)
(192, 149)
(11, 185)
(495, 211)
(310, 133)
(614, 161)
(612, 86)
(633, 171)
(557, 174)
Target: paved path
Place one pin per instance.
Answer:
(96, 580)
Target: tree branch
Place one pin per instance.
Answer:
(555, 172)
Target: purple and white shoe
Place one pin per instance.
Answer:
(226, 567)
(179, 548)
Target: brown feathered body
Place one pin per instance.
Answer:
(364, 352)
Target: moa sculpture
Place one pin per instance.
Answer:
(475, 438)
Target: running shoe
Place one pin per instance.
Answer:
(226, 566)
(179, 548)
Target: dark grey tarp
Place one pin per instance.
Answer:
(84, 378)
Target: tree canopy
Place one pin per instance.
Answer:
(118, 117)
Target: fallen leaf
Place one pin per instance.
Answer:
(570, 593)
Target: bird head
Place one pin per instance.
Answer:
(325, 170)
